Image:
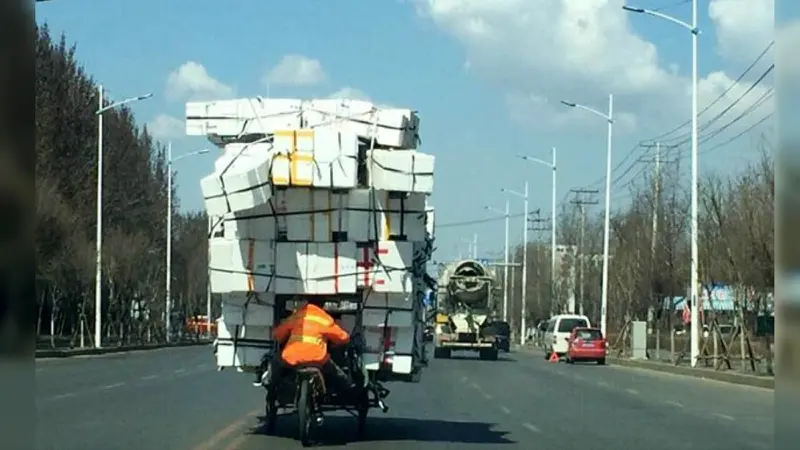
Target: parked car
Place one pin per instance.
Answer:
(558, 330)
(586, 344)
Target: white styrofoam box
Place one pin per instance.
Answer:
(242, 355)
(257, 223)
(241, 265)
(242, 184)
(374, 299)
(291, 267)
(395, 216)
(332, 270)
(385, 266)
(310, 215)
(396, 128)
(323, 157)
(374, 317)
(227, 330)
(249, 314)
(401, 170)
(294, 159)
(430, 219)
(238, 117)
(316, 268)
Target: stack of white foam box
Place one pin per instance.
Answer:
(320, 197)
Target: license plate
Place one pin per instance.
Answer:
(588, 345)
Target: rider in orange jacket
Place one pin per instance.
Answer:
(306, 334)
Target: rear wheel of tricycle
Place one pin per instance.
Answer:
(363, 412)
(305, 412)
(271, 413)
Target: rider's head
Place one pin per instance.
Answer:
(316, 301)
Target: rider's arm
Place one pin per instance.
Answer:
(282, 331)
(336, 334)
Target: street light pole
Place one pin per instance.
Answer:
(168, 297)
(524, 196)
(552, 166)
(505, 260)
(607, 222)
(694, 276)
(98, 277)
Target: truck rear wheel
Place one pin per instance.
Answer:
(441, 353)
(489, 354)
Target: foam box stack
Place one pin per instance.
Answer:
(314, 197)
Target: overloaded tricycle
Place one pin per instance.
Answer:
(309, 392)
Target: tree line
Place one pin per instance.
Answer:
(650, 246)
(134, 214)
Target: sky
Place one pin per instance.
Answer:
(487, 78)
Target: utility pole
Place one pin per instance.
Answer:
(583, 198)
(538, 223)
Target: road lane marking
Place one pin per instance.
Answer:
(531, 427)
(202, 366)
(237, 442)
(112, 386)
(150, 377)
(475, 386)
(213, 441)
(505, 410)
(723, 416)
(179, 371)
(487, 396)
(674, 403)
(602, 384)
(464, 379)
(60, 396)
(632, 391)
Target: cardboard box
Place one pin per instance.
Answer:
(241, 265)
(310, 215)
(385, 266)
(400, 170)
(316, 268)
(381, 215)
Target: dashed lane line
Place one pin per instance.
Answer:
(531, 427)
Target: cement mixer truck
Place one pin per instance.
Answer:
(464, 310)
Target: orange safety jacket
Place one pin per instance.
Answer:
(308, 331)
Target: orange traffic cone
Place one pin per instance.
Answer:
(553, 357)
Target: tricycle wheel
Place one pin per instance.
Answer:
(305, 412)
(271, 413)
(363, 411)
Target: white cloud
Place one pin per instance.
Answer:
(351, 93)
(296, 70)
(164, 126)
(191, 81)
(743, 27)
(539, 52)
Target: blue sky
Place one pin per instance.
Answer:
(485, 76)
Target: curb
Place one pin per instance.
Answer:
(67, 353)
(726, 377)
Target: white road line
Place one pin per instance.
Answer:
(632, 391)
(505, 410)
(723, 416)
(531, 427)
(487, 396)
(60, 396)
(202, 366)
(150, 377)
(602, 383)
(112, 386)
(673, 403)
(180, 371)
(464, 379)
(475, 386)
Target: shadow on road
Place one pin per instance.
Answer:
(467, 357)
(340, 430)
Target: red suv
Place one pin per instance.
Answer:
(586, 344)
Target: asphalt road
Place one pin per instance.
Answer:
(175, 399)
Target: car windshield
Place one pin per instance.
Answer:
(588, 334)
(568, 324)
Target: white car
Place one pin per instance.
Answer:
(558, 330)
